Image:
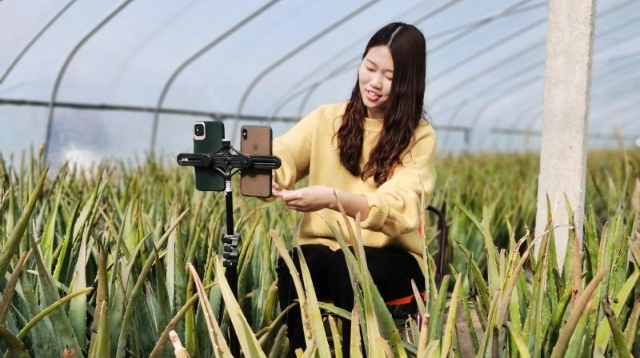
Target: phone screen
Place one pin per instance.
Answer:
(207, 138)
(256, 140)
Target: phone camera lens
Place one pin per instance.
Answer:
(244, 133)
(198, 129)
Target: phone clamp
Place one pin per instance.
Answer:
(227, 159)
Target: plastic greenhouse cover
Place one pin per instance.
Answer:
(271, 62)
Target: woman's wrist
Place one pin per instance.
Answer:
(331, 197)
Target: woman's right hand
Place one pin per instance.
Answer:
(275, 190)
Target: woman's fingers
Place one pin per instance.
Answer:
(275, 189)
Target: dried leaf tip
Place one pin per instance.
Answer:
(179, 350)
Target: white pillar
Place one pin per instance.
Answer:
(563, 154)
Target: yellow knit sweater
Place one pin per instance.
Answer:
(310, 149)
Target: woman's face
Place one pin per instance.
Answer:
(375, 76)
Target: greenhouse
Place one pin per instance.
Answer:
(110, 245)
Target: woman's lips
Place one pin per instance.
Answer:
(372, 96)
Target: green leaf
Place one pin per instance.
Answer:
(137, 289)
(220, 346)
(516, 336)
(15, 347)
(618, 336)
(61, 323)
(603, 333)
(10, 247)
(576, 312)
(246, 338)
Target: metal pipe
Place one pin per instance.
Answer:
(141, 109)
(63, 69)
(192, 58)
(34, 39)
(471, 25)
(351, 63)
(292, 53)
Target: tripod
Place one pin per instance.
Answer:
(228, 161)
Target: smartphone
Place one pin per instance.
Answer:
(207, 138)
(256, 140)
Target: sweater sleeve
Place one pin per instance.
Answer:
(294, 150)
(395, 207)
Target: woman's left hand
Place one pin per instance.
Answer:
(312, 198)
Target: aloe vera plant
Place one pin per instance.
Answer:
(109, 263)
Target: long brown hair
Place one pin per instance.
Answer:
(403, 111)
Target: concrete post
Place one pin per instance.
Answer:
(563, 154)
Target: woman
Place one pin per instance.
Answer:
(375, 154)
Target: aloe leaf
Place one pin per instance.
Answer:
(15, 347)
(632, 323)
(590, 245)
(432, 350)
(88, 210)
(161, 307)
(473, 336)
(11, 245)
(99, 343)
(476, 277)
(555, 323)
(9, 289)
(302, 299)
(65, 245)
(450, 326)
(78, 306)
(490, 249)
(170, 260)
(577, 346)
(518, 341)
(173, 323)
(485, 348)
(618, 336)
(246, 255)
(42, 336)
(190, 333)
(267, 334)
(387, 328)
(533, 327)
(178, 349)
(635, 251)
(135, 293)
(333, 310)
(335, 335)
(246, 338)
(49, 311)
(423, 339)
(62, 325)
(603, 333)
(437, 310)
(279, 344)
(576, 312)
(356, 337)
(48, 237)
(220, 347)
(507, 294)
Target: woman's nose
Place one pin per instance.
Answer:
(376, 81)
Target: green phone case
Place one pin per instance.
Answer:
(208, 179)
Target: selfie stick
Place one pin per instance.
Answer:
(225, 161)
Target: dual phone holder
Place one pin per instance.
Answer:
(215, 162)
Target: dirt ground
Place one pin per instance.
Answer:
(463, 329)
